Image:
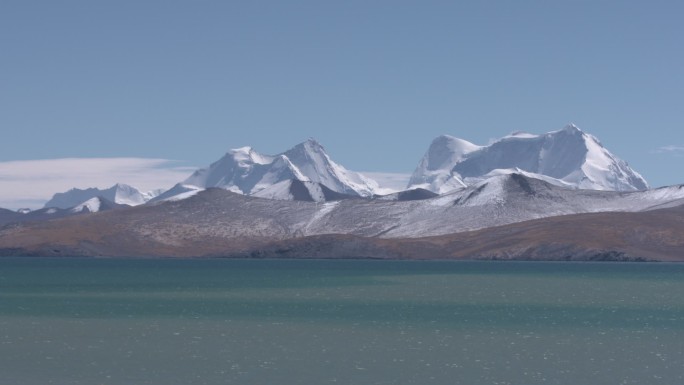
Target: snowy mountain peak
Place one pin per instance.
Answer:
(119, 193)
(571, 127)
(247, 171)
(247, 155)
(567, 157)
(446, 148)
(311, 143)
(310, 150)
(434, 170)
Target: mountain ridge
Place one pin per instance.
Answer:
(568, 157)
(217, 221)
(613, 236)
(558, 196)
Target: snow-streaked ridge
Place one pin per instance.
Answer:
(499, 200)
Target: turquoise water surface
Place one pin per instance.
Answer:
(144, 321)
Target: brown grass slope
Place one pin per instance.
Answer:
(144, 232)
(655, 235)
(645, 236)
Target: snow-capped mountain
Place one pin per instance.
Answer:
(119, 193)
(245, 171)
(568, 157)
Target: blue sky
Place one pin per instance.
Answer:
(373, 81)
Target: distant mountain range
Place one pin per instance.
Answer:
(567, 157)
(297, 202)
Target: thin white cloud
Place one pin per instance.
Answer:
(670, 150)
(390, 181)
(30, 183)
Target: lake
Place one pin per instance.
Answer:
(146, 321)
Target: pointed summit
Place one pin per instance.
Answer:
(570, 127)
(312, 142)
(309, 148)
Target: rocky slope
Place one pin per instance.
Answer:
(645, 236)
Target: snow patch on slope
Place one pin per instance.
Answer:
(295, 189)
(91, 205)
(322, 212)
(279, 191)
